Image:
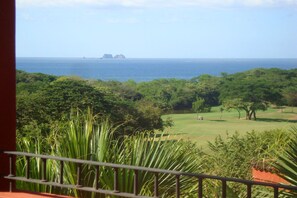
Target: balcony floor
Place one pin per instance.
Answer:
(28, 195)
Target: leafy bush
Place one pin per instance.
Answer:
(236, 155)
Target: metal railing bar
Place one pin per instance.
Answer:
(135, 182)
(152, 170)
(44, 170)
(275, 189)
(89, 189)
(11, 166)
(224, 189)
(28, 167)
(200, 187)
(78, 179)
(249, 191)
(177, 186)
(229, 179)
(78, 161)
(97, 174)
(156, 185)
(116, 180)
(61, 172)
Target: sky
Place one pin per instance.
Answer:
(157, 28)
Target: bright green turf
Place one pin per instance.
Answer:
(186, 126)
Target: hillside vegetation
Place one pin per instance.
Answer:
(43, 99)
(240, 121)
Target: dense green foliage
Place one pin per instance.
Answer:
(236, 155)
(44, 124)
(253, 90)
(256, 89)
(43, 99)
(88, 137)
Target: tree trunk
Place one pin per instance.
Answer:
(239, 116)
(250, 113)
(254, 115)
(246, 115)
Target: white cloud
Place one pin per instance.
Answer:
(155, 3)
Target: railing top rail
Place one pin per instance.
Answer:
(153, 170)
(95, 163)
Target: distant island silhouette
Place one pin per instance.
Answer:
(110, 56)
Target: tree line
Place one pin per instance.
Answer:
(44, 99)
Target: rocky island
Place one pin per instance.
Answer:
(119, 56)
(109, 56)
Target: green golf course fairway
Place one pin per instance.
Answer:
(214, 123)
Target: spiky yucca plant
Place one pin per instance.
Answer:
(36, 145)
(89, 138)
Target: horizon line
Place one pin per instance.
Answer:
(100, 58)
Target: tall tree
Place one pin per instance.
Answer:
(290, 96)
(253, 92)
(198, 106)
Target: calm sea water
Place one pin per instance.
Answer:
(146, 69)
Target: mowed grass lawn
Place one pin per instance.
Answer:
(186, 126)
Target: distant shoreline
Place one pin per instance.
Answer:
(145, 69)
(99, 58)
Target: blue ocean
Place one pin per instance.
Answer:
(145, 69)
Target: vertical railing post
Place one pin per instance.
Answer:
(28, 167)
(275, 189)
(11, 172)
(10, 186)
(177, 187)
(249, 191)
(224, 189)
(44, 170)
(156, 185)
(61, 172)
(116, 180)
(97, 174)
(200, 187)
(135, 182)
(78, 178)
(11, 166)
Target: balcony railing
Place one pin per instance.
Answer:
(136, 169)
